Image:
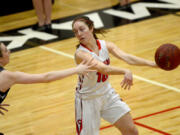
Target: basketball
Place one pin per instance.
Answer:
(167, 56)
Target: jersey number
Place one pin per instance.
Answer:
(101, 77)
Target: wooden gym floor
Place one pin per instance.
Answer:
(48, 109)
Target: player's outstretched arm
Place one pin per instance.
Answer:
(107, 69)
(25, 78)
(130, 59)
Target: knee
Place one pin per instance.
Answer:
(132, 131)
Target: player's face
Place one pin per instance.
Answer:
(5, 54)
(82, 32)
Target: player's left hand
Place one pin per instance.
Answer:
(85, 66)
(127, 81)
(2, 107)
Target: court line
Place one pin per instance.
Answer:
(142, 125)
(152, 114)
(157, 83)
(135, 76)
(145, 116)
(57, 52)
(151, 128)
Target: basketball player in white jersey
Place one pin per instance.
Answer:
(95, 97)
(8, 78)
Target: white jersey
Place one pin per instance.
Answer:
(95, 98)
(96, 84)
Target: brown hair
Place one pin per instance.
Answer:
(90, 24)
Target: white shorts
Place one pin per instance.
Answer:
(89, 112)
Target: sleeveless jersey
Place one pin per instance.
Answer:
(95, 84)
(3, 94)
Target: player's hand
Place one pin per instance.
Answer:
(127, 81)
(2, 107)
(153, 64)
(85, 66)
(124, 2)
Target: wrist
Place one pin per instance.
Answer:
(127, 71)
(153, 64)
(77, 70)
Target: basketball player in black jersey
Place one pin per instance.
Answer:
(8, 78)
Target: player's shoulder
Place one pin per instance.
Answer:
(102, 42)
(107, 44)
(5, 72)
(81, 54)
(8, 74)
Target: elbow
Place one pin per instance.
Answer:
(131, 62)
(47, 78)
(47, 81)
(104, 70)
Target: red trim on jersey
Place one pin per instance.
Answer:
(79, 123)
(98, 44)
(80, 83)
(86, 47)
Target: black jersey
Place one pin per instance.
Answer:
(3, 94)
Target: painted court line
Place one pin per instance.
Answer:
(142, 125)
(156, 83)
(145, 116)
(152, 114)
(150, 128)
(135, 76)
(57, 52)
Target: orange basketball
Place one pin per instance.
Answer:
(167, 56)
